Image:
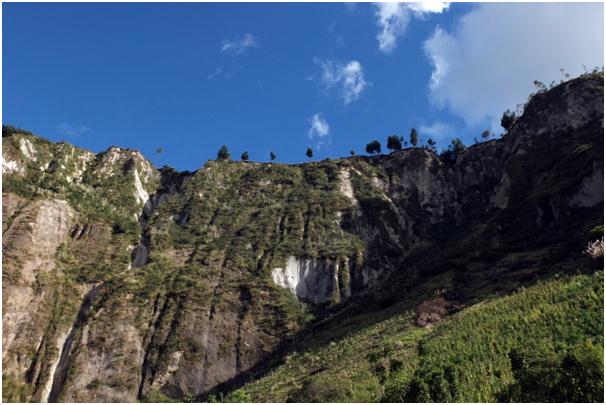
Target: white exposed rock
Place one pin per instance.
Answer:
(308, 279)
(500, 198)
(11, 166)
(28, 150)
(345, 186)
(591, 191)
(49, 382)
(140, 193)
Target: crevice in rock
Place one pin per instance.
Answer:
(245, 299)
(60, 374)
(154, 324)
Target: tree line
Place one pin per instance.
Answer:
(396, 143)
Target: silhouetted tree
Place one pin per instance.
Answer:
(457, 146)
(432, 144)
(487, 134)
(244, 156)
(309, 153)
(223, 153)
(272, 156)
(373, 147)
(352, 152)
(413, 137)
(509, 117)
(394, 142)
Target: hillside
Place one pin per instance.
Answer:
(124, 282)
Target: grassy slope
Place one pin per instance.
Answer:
(378, 362)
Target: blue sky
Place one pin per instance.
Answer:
(280, 77)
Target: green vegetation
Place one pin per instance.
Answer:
(223, 153)
(244, 156)
(9, 130)
(309, 153)
(394, 142)
(471, 356)
(373, 147)
(414, 139)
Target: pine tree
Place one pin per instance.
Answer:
(394, 142)
(413, 137)
(223, 153)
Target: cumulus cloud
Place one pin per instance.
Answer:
(393, 19)
(73, 131)
(488, 63)
(437, 131)
(239, 45)
(346, 78)
(422, 9)
(319, 130)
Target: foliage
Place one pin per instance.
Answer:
(309, 153)
(244, 156)
(486, 134)
(382, 356)
(394, 142)
(414, 139)
(223, 153)
(457, 146)
(9, 130)
(574, 376)
(272, 156)
(508, 119)
(373, 147)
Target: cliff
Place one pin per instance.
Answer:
(121, 280)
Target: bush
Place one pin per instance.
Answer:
(508, 119)
(223, 153)
(394, 142)
(577, 377)
(373, 147)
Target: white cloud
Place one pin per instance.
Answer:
(488, 63)
(214, 74)
(393, 19)
(319, 130)
(423, 8)
(239, 44)
(436, 131)
(347, 78)
(73, 131)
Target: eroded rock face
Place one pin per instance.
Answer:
(189, 269)
(309, 279)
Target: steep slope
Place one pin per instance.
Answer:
(121, 281)
(466, 358)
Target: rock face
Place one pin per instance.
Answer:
(121, 281)
(312, 280)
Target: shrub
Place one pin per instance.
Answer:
(578, 376)
(223, 153)
(373, 147)
(508, 119)
(394, 142)
(414, 139)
